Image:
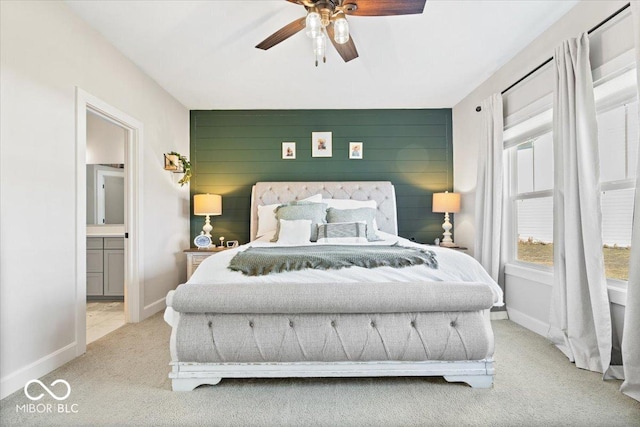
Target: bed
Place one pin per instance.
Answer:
(418, 320)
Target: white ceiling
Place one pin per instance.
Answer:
(202, 52)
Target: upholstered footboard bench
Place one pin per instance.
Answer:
(330, 330)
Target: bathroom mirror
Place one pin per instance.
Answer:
(105, 194)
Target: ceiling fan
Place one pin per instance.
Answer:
(327, 19)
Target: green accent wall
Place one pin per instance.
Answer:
(233, 149)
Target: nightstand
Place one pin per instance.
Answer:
(195, 256)
(456, 248)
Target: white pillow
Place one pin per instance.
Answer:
(294, 232)
(267, 221)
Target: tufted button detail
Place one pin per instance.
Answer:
(251, 324)
(210, 323)
(373, 324)
(453, 324)
(290, 323)
(333, 323)
(413, 324)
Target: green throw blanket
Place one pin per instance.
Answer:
(260, 261)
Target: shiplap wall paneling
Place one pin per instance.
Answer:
(231, 150)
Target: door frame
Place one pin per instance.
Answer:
(133, 279)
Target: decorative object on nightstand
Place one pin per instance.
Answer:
(201, 241)
(206, 205)
(446, 203)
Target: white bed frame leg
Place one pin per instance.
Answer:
(475, 381)
(189, 384)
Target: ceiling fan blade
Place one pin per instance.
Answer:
(347, 50)
(385, 7)
(282, 34)
(303, 2)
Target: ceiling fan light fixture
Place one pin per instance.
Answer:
(341, 29)
(328, 18)
(313, 24)
(319, 47)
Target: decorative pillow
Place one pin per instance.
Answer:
(267, 220)
(353, 204)
(316, 212)
(296, 232)
(350, 203)
(355, 215)
(343, 232)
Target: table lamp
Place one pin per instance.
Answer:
(205, 205)
(446, 203)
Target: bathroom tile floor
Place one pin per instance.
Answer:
(103, 318)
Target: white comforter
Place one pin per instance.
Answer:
(454, 266)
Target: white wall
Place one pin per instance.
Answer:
(105, 141)
(46, 51)
(527, 293)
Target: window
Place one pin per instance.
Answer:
(528, 110)
(618, 150)
(532, 198)
(529, 168)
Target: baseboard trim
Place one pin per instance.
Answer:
(499, 315)
(528, 322)
(16, 380)
(153, 308)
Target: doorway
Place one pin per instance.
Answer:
(105, 153)
(108, 233)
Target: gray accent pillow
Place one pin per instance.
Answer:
(316, 212)
(355, 215)
(343, 232)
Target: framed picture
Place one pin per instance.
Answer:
(288, 150)
(321, 144)
(172, 163)
(355, 150)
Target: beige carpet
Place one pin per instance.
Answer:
(122, 380)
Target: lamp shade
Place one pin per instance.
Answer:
(446, 202)
(207, 204)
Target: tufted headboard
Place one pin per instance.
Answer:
(383, 192)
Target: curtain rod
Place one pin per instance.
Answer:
(609, 18)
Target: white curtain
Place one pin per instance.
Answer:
(580, 320)
(488, 222)
(631, 331)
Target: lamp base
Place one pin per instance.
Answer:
(446, 226)
(207, 227)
